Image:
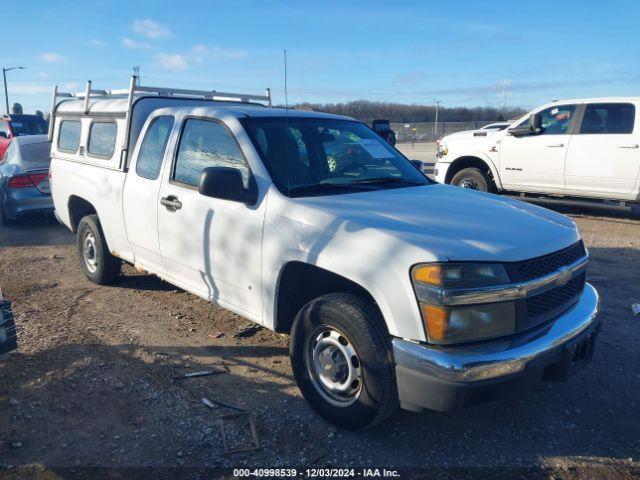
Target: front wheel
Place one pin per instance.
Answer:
(473, 179)
(98, 264)
(341, 358)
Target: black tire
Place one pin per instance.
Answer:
(364, 329)
(98, 264)
(472, 178)
(4, 220)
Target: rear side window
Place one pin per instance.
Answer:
(203, 144)
(608, 118)
(102, 139)
(153, 147)
(69, 136)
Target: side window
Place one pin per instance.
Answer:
(69, 136)
(102, 139)
(608, 118)
(4, 129)
(153, 147)
(206, 143)
(556, 119)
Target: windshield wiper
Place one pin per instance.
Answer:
(386, 180)
(312, 188)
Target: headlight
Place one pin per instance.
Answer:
(460, 275)
(454, 324)
(442, 149)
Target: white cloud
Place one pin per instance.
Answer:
(151, 29)
(97, 43)
(52, 57)
(129, 43)
(172, 61)
(71, 86)
(43, 75)
(217, 52)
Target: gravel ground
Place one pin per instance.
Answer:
(96, 381)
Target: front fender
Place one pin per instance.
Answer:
(374, 261)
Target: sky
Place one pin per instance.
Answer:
(462, 53)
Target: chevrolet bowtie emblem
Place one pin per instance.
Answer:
(564, 275)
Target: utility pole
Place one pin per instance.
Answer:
(505, 95)
(435, 126)
(4, 77)
(136, 72)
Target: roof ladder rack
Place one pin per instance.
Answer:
(160, 91)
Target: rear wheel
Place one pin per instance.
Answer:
(341, 358)
(98, 264)
(473, 179)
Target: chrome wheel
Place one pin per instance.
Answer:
(332, 163)
(469, 183)
(89, 253)
(334, 366)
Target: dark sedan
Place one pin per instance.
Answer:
(24, 178)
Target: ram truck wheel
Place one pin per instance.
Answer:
(473, 179)
(342, 360)
(98, 264)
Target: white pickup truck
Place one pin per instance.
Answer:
(395, 290)
(583, 151)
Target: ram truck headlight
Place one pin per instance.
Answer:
(443, 150)
(456, 324)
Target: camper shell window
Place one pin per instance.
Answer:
(102, 139)
(69, 136)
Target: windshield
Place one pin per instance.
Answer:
(28, 125)
(315, 156)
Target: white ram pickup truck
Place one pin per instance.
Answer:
(585, 151)
(395, 290)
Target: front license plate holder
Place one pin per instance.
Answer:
(576, 354)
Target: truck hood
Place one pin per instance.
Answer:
(471, 135)
(448, 223)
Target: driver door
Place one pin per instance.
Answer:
(536, 162)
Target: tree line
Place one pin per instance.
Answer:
(367, 111)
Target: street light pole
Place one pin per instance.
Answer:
(4, 78)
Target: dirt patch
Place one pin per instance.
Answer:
(97, 381)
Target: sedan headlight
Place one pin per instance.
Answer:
(455, 324)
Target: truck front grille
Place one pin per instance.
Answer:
(554, 301)
(541, 266)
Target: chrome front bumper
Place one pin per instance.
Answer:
(424, 371)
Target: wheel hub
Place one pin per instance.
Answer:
(89, 252)
(334, 366)
(469, 183)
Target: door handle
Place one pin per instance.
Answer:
(171, 203)
(634, 145)
(556, 145)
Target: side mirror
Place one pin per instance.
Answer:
(418, 164)
(535, 122)
(226, 183)
(4, 135)
(533, 127)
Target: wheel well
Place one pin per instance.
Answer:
(300, 283)
(78, 208)
(467, 162)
